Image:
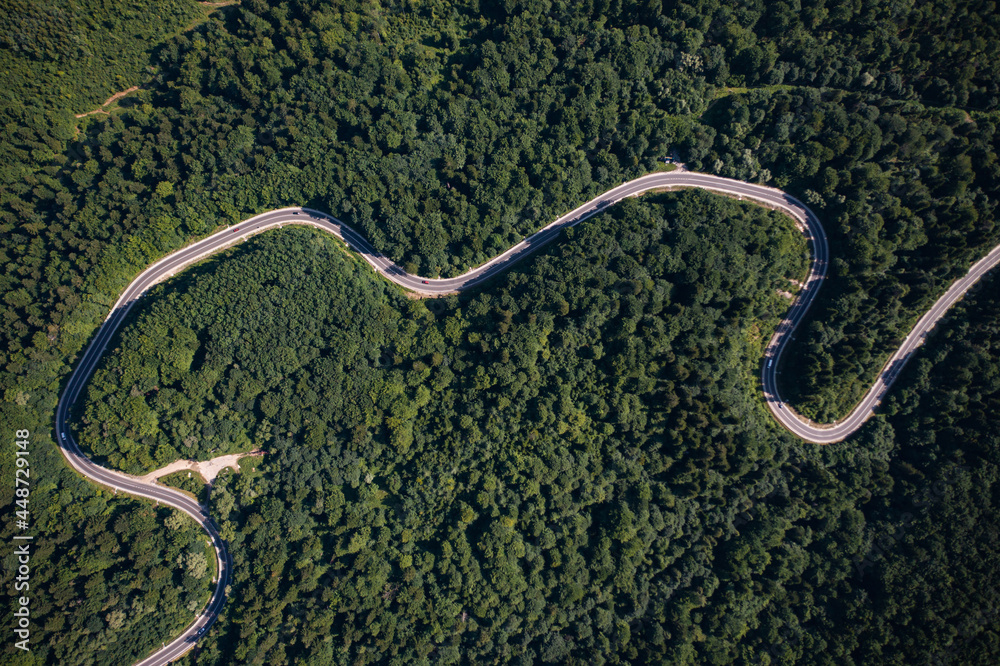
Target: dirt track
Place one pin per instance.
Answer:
(114, 98)
(208, 469)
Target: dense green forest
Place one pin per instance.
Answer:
(930, 564)
(63, 57)
(518, 427)
(573, 465)
(73, 54)
(444, 132)
(111, 577)
(907, 196)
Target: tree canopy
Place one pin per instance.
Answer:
(445, 132)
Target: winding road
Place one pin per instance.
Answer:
(773, 198)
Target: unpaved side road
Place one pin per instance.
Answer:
(208, 469)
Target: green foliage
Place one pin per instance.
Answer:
(905, 211)
(75, 54)
(560, 427)
(104, 584)
(447, 135)
(66, 57)
(446, 132)
(188, 481)
(591, 476)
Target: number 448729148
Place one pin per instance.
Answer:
(21, 477)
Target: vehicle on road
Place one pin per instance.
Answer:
(236, 229)
(425, 282)
(770, 363)
(63, 435)
(295, 213)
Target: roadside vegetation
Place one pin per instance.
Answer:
(189, 481)
(111, 577)
(445, 136)
(532, 428)
(572, 464)
(446, 132)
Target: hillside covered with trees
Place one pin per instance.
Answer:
(572, 465)
(446, 131)
(445, 135)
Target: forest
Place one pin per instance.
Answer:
(444, 136)
(571, 465)
(112, 578)
(73, 55)
(444, 132)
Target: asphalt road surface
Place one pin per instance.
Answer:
(173, 263)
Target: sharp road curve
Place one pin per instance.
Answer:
(770, 197)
